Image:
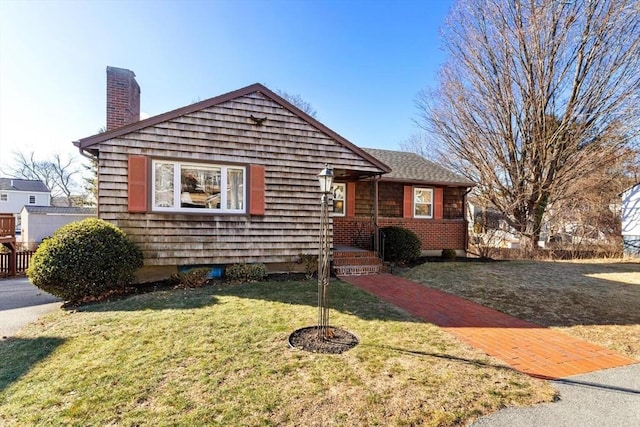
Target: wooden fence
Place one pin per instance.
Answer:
(22, 262)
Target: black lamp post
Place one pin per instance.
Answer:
(325, 177)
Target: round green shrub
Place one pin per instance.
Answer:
(246, 272)
(448, 254)
(400, 244)
(84, 258)
(194, 278)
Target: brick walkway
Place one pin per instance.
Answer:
(530, 348)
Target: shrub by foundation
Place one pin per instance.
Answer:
(85, 258)
(194, 278)
(310, 262)
(448, 254)
(400, 244)
(246, 272)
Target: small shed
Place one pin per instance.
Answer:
(39, 222)
(631, 220)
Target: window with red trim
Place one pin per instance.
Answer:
(423, 202)
(194, 187)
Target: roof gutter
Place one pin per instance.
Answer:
(83, 153)
(465, 184)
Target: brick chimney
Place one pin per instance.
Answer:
(123, 98)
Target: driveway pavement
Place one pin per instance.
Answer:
(22, 303)
(599, 399)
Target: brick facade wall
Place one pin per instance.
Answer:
(433, 233)
(436, 234)
(355, 231)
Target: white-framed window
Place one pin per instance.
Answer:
(32, 199)
(423, 202)
(4, 197)
(339, 191)
(194, 187)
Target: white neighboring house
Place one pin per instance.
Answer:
(631, 220)
(16, 193)
(39, 222)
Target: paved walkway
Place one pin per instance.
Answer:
(530, 348)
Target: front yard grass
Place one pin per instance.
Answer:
(219, 356)
(598, 301)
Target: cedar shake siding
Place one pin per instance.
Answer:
(281, 157)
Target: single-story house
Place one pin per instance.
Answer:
(39, 222)
(631, 220)
(234, 179)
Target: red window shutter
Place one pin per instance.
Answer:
(437, 203)
(137, 184)
(256, 189)
(407, 205)
(351, 199)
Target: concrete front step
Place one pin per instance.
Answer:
(358, 270)
(356, 263)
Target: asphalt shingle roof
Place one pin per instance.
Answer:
(411, 167)
(16, 184)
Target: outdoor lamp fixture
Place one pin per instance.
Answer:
(325, 177)
(322, 338)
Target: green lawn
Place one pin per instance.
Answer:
(219, 356)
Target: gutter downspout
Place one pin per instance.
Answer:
(376, 238)
(91, 158)
(466, 220)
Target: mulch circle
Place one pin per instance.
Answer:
(307, 339)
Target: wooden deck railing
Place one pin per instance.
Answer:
(7, 227)
(23, 258)
(8, 261)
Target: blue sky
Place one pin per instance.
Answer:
(359, 63)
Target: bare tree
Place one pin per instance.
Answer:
(534, 96)
(299, 102)
(422, 144)
(59, 174)
(590, 218)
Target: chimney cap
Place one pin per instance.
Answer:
(120, 70)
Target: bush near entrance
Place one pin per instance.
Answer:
(400, 244)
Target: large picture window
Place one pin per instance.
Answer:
(423, 203)
(194, 187)
(339, 191)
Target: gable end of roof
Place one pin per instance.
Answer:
(87, 143)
